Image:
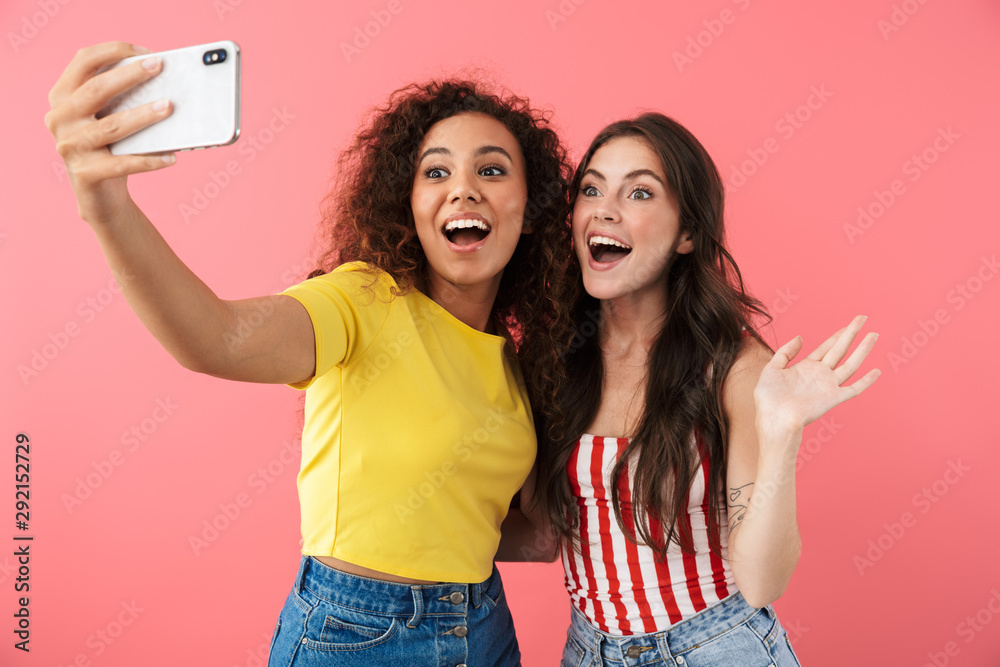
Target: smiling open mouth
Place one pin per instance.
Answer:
(466, 232)
(605, 250)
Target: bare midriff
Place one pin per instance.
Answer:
(351, 568)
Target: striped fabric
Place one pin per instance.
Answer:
(619, 586)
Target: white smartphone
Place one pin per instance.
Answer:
(203, 85)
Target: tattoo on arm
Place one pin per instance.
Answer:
(739, 499)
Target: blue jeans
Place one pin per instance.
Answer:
(728, 633)
(334, 618)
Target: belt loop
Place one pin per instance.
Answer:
(599, 640)
(474, 592)
(301, 575)
(418, 607)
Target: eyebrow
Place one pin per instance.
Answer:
(482, 150)
(632, 174)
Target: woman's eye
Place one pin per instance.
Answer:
(641, 194)
(434, 172)
(589, 191)
(492, 170)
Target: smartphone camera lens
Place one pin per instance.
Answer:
(214, 57)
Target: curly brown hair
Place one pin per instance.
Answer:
(367, 217)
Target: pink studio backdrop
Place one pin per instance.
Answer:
(858, 141)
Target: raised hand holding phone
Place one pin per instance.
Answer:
(98, 177)
(202, 84)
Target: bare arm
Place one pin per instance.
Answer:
(263, 339)
(204, 333)
(768, 406)
(526, 534)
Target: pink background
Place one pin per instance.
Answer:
(888, 91)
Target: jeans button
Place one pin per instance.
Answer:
(633, 652)
(457, 598)
(461, 631)
(680, 661)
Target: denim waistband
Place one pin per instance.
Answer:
(389, 598)
(680, 637)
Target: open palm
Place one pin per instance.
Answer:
(790, 397)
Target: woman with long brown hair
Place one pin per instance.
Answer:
(447, 226)
(672, 481)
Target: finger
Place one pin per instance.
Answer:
(114, 166)
(784, 354)
(97, 92)
(852, 390)
(98, 134)
(85, 65)
(94, 94)
(843, 343)
(817, 354)
(853, 363)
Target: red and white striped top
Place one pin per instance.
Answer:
(619, 586)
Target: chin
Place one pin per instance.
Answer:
(601, 289)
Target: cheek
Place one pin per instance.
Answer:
(422, 206)
(515, 203)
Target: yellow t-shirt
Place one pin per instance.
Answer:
(417, 432)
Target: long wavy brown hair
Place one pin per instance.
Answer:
(367, 216)
(706, 310)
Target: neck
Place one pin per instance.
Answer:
(472, 305)
(631, 323)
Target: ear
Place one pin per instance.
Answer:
(685, 244)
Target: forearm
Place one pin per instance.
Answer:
(180, 310)
(764, 541)
(521, 540)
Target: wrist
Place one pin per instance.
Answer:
(780, 441)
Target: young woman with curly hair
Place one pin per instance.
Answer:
(675, 410)
(446, 230)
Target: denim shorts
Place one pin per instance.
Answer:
(334, 618)
(728, 633)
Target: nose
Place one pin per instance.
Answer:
(464, 189)
(606, 213)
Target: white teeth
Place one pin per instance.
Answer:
(604, 240)
(465, 224)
